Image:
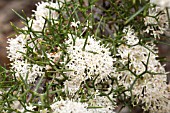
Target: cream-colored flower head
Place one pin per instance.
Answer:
(43, 10)
(27, 71)
(92, 61)
(150, 88)
(22, 68)
(16, 47)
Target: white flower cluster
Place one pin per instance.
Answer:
(22, 68)
(156, 23)
(93, 61)
(155, 96)
(26, 70)
(68, 106)
(44, 12)
(150, 88)
(17, 47)
(161, 3)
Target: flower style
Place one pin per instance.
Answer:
(150, 88)
(93, 61)
(156, 23)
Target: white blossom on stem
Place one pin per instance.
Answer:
(145, 76)
(92, 61)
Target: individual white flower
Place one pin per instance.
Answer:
(156, 23)
(48, 67)
(161, 3)
(93, 61)
(130, 38)
(44, 111)
(86, 27)
(75, 24)
(30, 107)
